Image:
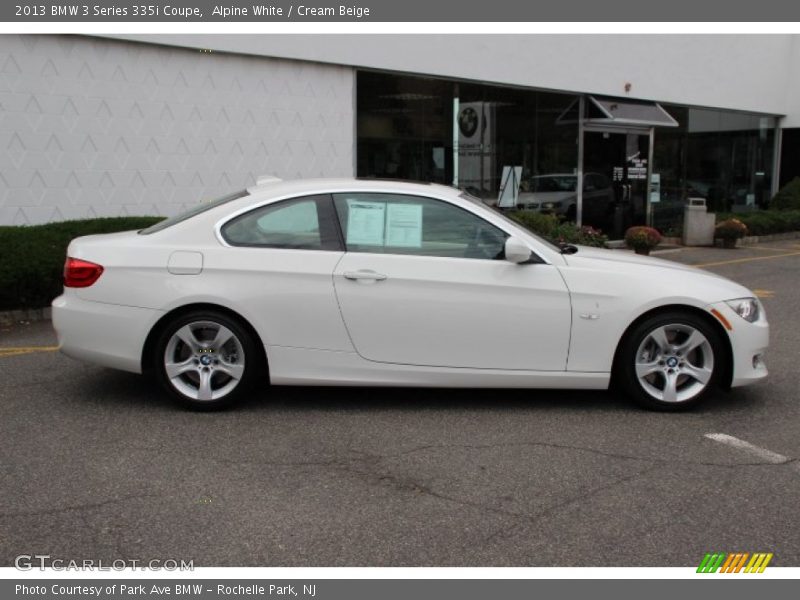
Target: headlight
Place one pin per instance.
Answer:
(551, 205)
(747, 308)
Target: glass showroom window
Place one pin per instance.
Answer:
(730, 158)
(404, 127)
(725, 157)
(504, 127)
(406, 130)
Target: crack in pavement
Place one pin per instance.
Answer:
(374, 456)
(503, 531)
(356, 466)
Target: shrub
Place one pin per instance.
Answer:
(549, 227)
(569, 233)
(543, 224)
(642, 238)
(765, 222)
(788, 197)
(730, 229)
(32, 257)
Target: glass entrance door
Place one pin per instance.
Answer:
(615, 172)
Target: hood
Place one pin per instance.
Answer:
(657, 272)
(621, 256)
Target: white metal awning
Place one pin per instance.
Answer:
(616, 112)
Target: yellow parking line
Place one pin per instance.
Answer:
(769, 248)
(18, 350)
(744, 260)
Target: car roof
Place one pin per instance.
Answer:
(267, 185)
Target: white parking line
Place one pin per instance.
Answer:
(762, 453)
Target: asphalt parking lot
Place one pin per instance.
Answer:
(97, 464)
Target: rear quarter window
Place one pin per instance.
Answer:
(192, 212)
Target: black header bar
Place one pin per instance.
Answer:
(464, 11)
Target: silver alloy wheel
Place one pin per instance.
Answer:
(674, 363)
(204, 360)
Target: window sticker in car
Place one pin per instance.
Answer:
(404, 226)
(365, 222)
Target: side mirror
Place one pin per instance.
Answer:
(516, 251)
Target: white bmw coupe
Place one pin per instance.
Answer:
(386, 283)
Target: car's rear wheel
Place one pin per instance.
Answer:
(206, 360)
(671, 361)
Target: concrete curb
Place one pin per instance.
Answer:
(29, 315)
(749, 240)
(774, 237)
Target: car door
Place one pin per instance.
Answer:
(280, 260)
(424, 282)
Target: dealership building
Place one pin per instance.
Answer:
(152, 124)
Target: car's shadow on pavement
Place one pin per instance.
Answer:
(121, 389)
(418, 399)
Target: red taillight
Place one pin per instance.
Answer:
(80, 273)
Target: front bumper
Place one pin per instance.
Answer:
(103, 334)
(749, 342)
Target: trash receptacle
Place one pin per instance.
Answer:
(698, 223)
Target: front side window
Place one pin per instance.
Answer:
(401, 224)
(301, 224)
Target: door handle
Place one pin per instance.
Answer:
(364, 276)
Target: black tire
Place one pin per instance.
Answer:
(706, 360)
(216, 376)
(572, 214)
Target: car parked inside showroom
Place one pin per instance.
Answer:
(384, 283)
(556, 193)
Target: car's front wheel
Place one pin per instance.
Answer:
(671, 361)
(206, 360)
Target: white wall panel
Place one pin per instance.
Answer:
(98, 127)
(741, 72)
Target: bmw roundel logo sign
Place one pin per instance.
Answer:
(468, 121)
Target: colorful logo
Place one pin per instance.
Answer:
(734, 562)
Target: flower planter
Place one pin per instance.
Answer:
(729, 231)
(642, 239)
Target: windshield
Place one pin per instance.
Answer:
(195, 210)
(554, 183)
(499, 213)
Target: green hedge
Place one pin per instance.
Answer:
(765, 222)
(32, 257)
(555, 230)
(788, 197)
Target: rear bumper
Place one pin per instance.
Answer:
(103, 334)
(749, 342)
